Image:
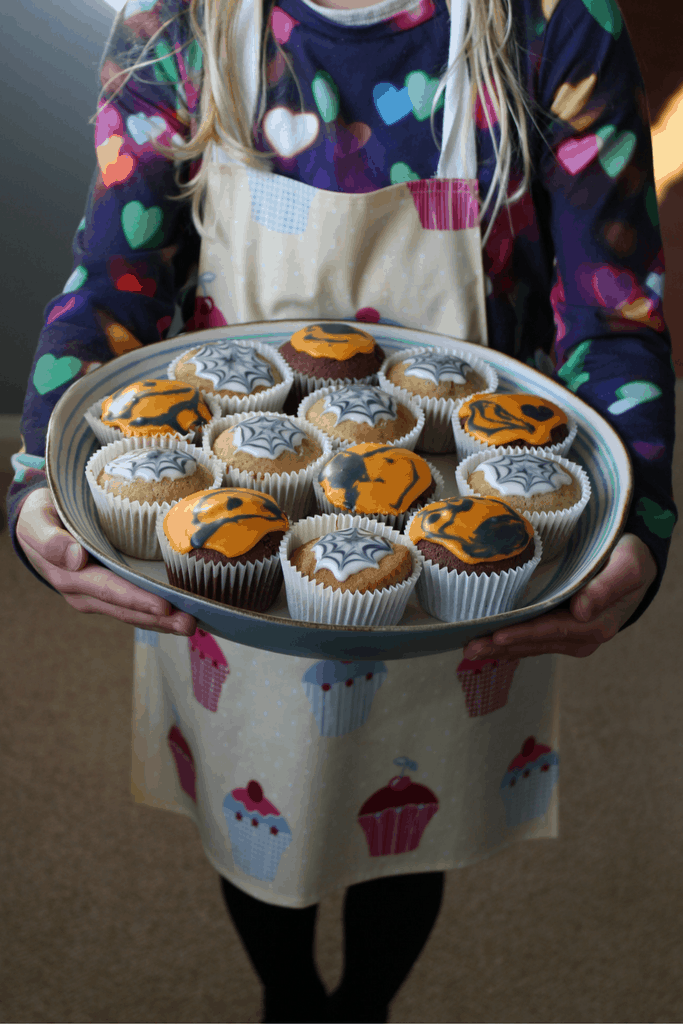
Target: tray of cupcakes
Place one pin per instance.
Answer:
(336, 489)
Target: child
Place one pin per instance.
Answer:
(299, 164)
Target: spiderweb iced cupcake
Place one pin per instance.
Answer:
(243, 375)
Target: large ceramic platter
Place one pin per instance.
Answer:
(597, 448)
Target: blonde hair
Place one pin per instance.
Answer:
(489, 47)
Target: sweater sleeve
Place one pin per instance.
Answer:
(135, 244)
(612, 347)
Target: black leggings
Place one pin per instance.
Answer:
(386, 924)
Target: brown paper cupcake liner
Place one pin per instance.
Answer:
(131, 525)
(437, 434)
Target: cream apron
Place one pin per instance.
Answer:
(304, 777)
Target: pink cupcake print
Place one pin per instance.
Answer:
(395, 817)
(485, 683)
(528, 783)
(209, 669)
(184, 761)
(259, 835)
(341, 693)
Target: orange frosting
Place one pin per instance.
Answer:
(155, 407)
(504, 419)
(332, 341)
(473, 529)
(231, 520)
(374, 478)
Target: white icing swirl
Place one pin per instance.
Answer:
(523, 475)
(360, 405)
(232, 367)
(265, 438)
(347, 552)
(437, 367)
(152, 464)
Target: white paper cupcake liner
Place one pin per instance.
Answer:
(131, 525)
(452, 596)
(208, 579)
(107, 435)
(466, 445)
(309, 601)
(437, 435)
(293, 492)
(270, 400)
(554, 528)
(397, 522)
(406, 441)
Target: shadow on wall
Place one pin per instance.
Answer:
(49, 55)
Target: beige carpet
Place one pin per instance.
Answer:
(110, 912)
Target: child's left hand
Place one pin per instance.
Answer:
(596, 613)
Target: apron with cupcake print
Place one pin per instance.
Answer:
(307, 776)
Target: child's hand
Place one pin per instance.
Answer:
(596, 612)
(85, 584)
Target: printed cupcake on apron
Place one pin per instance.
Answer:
(184, 761)
(341, 693)
(259, 835)
(486, 683)
(528, 783)
(395, 817)
(209, 669)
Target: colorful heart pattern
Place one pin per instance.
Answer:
(572, 372)
(143, 129)
(282, 24)
(607, 15)
(421, 89)
(658, 520)
(392, 104)
(141, 225)
(618, 149)
(633, 394)
(402, 172)
(51, 373)
(575, 154)
(290, 133)
(326, 96)
(76, 280)
(115, 166)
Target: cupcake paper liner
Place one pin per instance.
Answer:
(254, 586)
(293, 492)
(460, 596)
(131, 525)
(270, 400)
(408, 440)
(304, 385)
(107, 435)
(309, 601)
(397, 522)
(554, 528)
(466, 445)
(437, 435)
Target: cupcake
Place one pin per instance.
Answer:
(223, 544)
(479, 556)
(357, 413)
(549, 491)
(378, 480)
(483, 422)
(270, 452)
(395, 817)
(486, 683)
(341, 693)
(135, 481)
(184, 762)
(437, 379)
(327, 354)
(528, 783)
(348, 571)
(209, 669)
(242, 375)
(259, 835)
(151, 408)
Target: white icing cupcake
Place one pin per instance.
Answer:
(244, 376)
(355, 413)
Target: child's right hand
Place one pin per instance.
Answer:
(85, 584)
